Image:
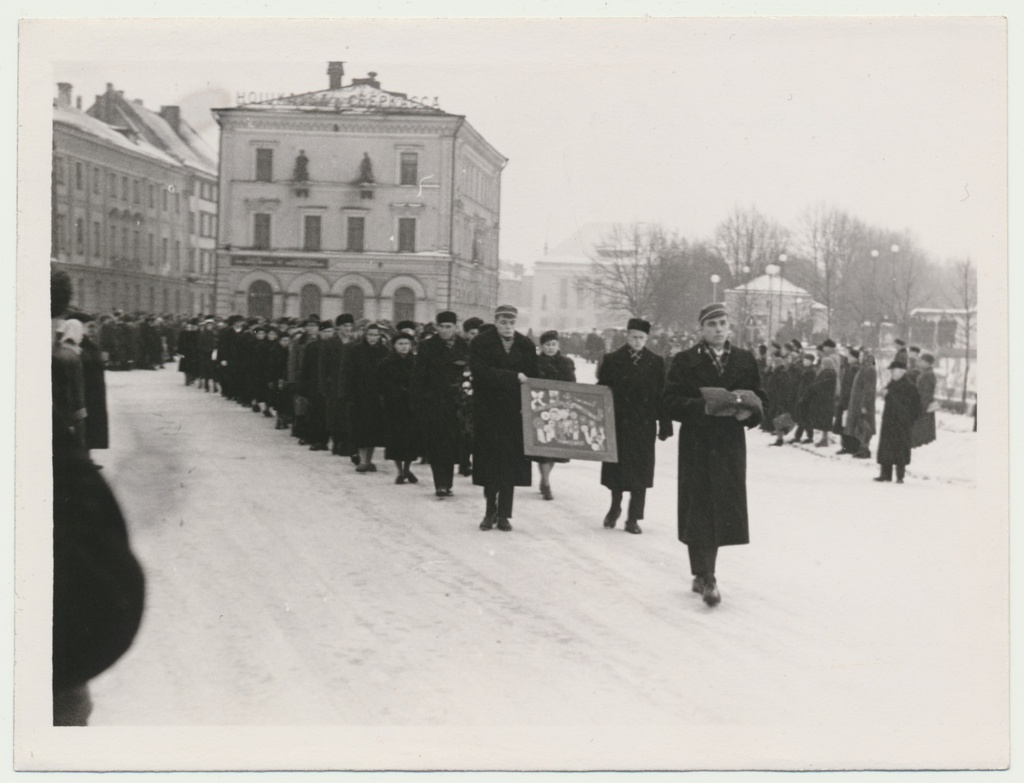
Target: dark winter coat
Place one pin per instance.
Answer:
(332, 383)
(807, 376)
(497, 411)
(98, 585)
(712, 449)
(820, 400)
(95, 387)
(366, 414)
(846, 386)
(259, 369)
(923, 431)
(207, 344)
(277, 377)
(437, 395)
(188, 348)
(394, 380)
(902, 407)
(636, 392)
(860, 421)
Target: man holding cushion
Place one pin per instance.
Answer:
(712, 446)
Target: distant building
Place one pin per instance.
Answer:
(356, 199)
(765, 304)
(560, 299)
(134, 206)
(515, 287)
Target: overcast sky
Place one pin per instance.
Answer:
(900, 121)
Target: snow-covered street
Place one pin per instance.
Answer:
(286, 589)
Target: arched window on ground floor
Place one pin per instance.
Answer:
(260, 300)
(405, 304)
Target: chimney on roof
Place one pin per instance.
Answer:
(78, 102)
(172, 116)
(335, 72)
(64, 94)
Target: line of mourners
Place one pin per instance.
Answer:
(451, 396)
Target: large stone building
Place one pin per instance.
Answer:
(356, 199)
(559, 298)
(134, 206)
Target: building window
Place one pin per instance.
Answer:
(261, 300)
(167, 300)
(58, 170)
(177, 256)
(191, 222)
(96, 238)
(136, 198)
(309, 300)
(353, 301)
(135, 247)
(192, 260)
(311, 232)
(96, 181)
(79, 177)
(409, 168)
(405, 304)
(356, 229)
(163, 253)
(264, 165)
(163, 198)
(152, 197)
(124, 243)
(124, 188)
(150, 259)
(177, 202)
(80, 236)
(177, 300)
(112, 185)
(406, 235)
(112, 244)
(261, 231)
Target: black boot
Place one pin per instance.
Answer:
(612, 517)
(633, 527)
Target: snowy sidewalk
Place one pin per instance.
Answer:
(285, 589)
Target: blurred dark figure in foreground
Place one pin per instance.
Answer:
(98, 585)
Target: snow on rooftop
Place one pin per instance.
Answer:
(351, 99)
(83, 122)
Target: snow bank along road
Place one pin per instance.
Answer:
(864, 624)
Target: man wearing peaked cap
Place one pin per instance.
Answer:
(636, 377)
(902, 408)
(712, 448)
(500, 360)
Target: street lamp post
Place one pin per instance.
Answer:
(715, 280)
(783, 258)
(893, 249)
(771, 270)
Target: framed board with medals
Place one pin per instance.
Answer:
(568, 420)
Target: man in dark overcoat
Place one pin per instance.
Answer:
(366, 414)
(636, 377)
(500, 359)
(309, 388)
(902, 407)
(923, 431)
(333, 386)
(805, 381)
(843, 404)
(712, 449)
(436, 394)
(860, 417)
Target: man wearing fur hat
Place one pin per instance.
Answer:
(712, 448)
(636, 377)
(437, 390)
(902, 407)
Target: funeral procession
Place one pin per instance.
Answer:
(538, 403)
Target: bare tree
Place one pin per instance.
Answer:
(833, 241)
(627, 268)
(746, 238)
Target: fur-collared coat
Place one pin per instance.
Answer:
(636, 392)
